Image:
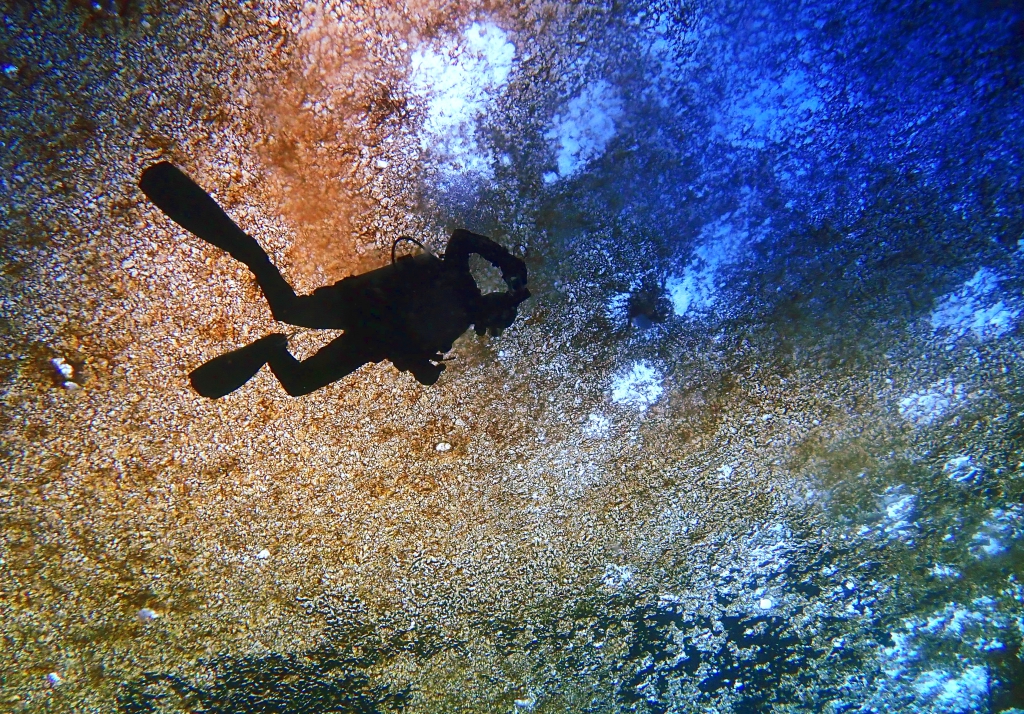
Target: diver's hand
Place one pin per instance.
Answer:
(514, 275)
(498, 311)
(276, 339)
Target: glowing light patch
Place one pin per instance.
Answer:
(640, 386)
(460, 82)
(582, 133)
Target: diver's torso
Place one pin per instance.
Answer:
(417, 302)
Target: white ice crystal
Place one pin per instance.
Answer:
(639, 386)
(995, 532)
(899, 509)
(61, 365)
(583, 131)
(617, 307)
(596, 426)
(975, 308)
(980, 626)
(460, 82)
(943, 571)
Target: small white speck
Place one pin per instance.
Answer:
(443, 446)
(54, 678)
(61, 365)
(263, 554)
(147, 615)
(383, 163)
(765, 603)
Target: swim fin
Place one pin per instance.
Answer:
(223, 375)
(192, 208)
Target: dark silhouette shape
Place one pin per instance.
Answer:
(409, 312)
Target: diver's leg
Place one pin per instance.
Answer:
(342, 356)
(223, 375)
(192, 208)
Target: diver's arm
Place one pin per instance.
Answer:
(463, 243)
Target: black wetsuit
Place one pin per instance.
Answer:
(409, 312)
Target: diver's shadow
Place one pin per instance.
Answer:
(409, 312)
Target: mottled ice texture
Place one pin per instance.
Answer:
(583, 131)
(460, 82)
(975, 308)
(639, 386)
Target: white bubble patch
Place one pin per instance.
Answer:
(639, 386)
(460, 82)
(723, 243)
(582, 133)
(773, 111)
(975, 308)
(928, 405)
(945, 692)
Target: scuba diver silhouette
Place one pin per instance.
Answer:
(409, 312)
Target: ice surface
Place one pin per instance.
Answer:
(639, 386)
(460, 83)
(583, 131)
(975, 308)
